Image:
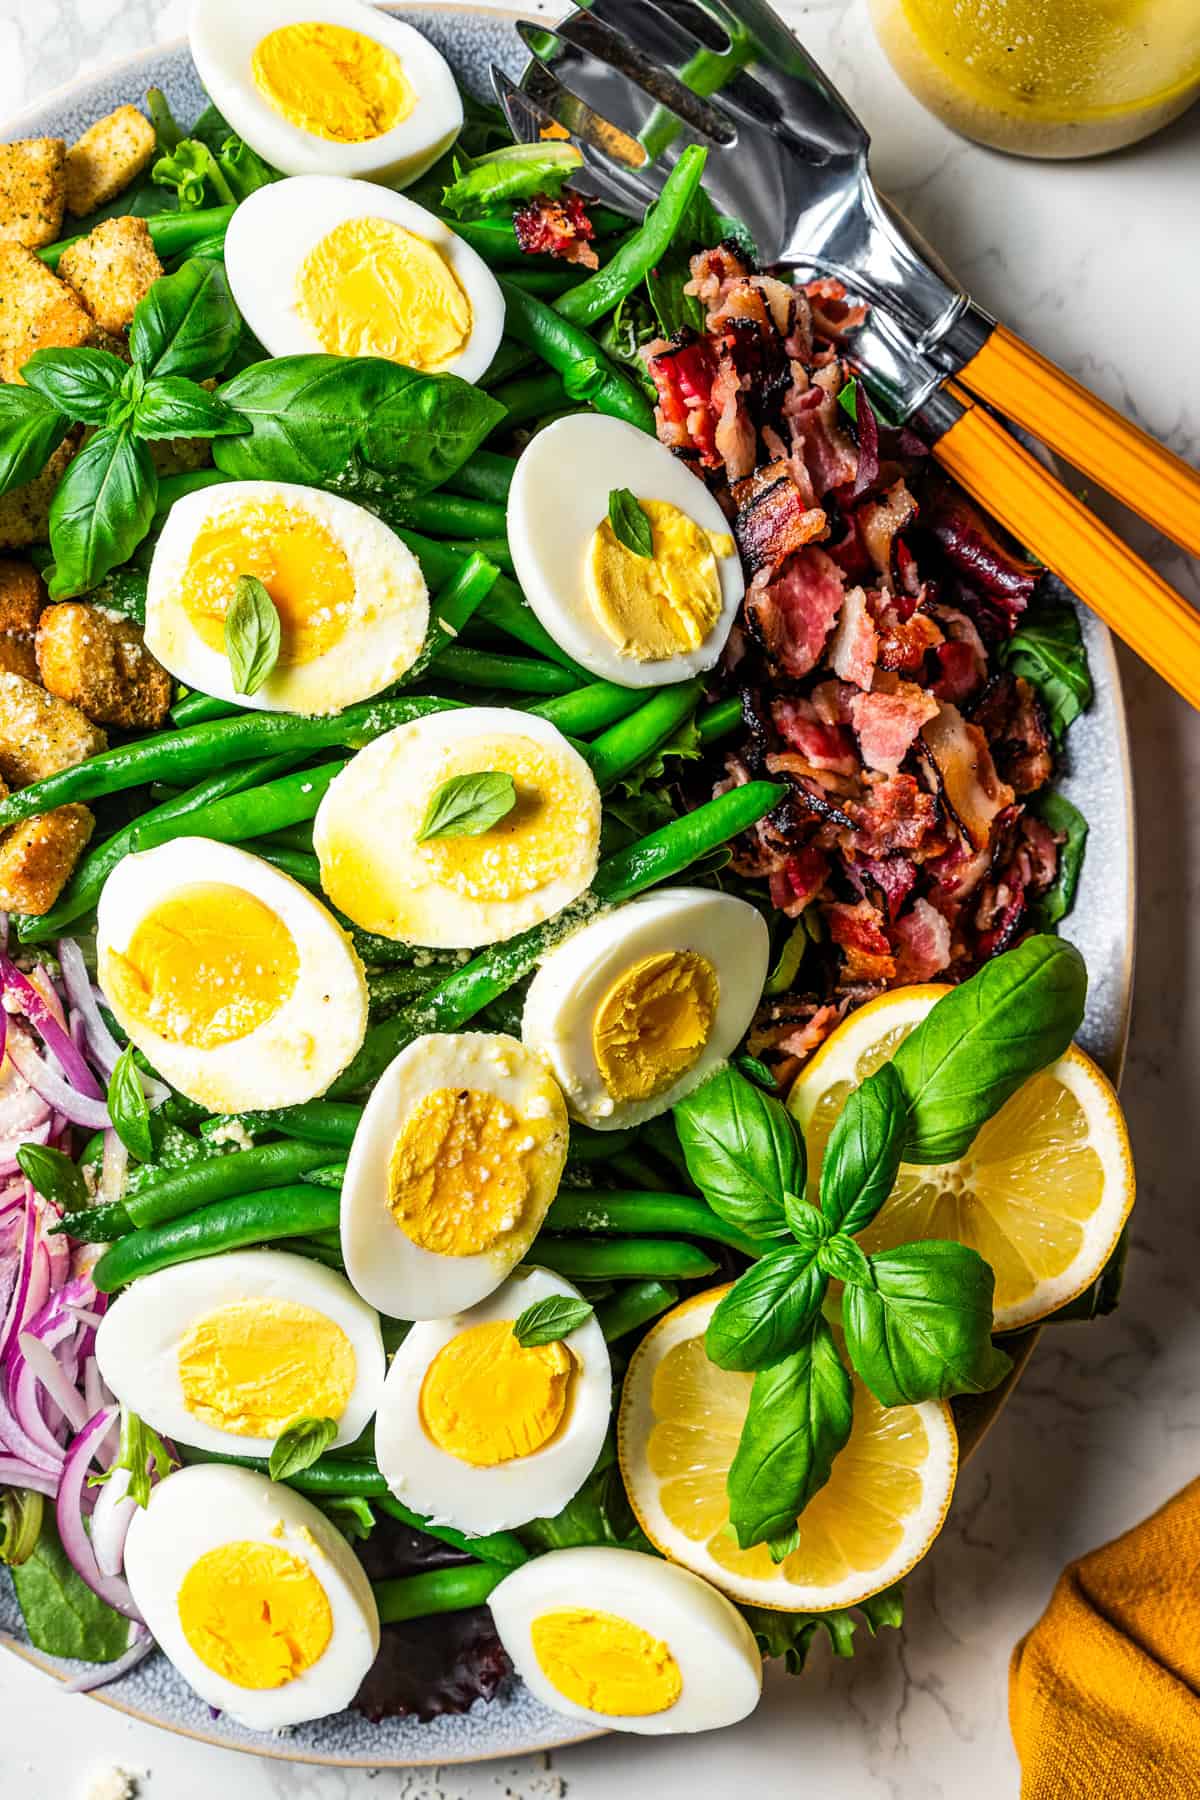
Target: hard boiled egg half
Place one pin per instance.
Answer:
(319, 263)
(456, 1158)
(255, 1597)
(483, 1433)
(352, 602)
(636, 1007)
(337, 86)
(456, 887)
(621, 1639)
(638, 620)
(226, 1352)
(234, 981)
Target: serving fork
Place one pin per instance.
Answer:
(635, 81)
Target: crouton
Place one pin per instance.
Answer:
(38, 857)
(110, 154)
(40, 734)
(22, 596)
(99, 663)
(25, 511)
(33, 186)
(37, 310)
(111, 269)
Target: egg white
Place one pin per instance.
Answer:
(383, 635)
(479, 1500)
(559, 495)
(223, 40)
(576, 974)
(388, 1269)
(294, 1054)
(705, 1633)
(138, 1340)
(196, 1510)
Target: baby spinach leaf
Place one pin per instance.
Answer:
(142, 1452)
(788, 1635)
(550, 1320)
(1065, 821)
(187, 324)
(922, 1330)
(128, 1107)
(102, 510)
(799, 1417)
(31, 429)
(599, 1513)
(1047, 649)
(468, 805)
(299, 1445)
(81, 383)
(172, 407)
(517, 172)
(840, 1258)
(864, 1151)
(62, 1615)
(54, 1175)
(373, 427)
(743, 1151)
(767, 1311)
(982, 1040)
(630, 522)
(252, 635)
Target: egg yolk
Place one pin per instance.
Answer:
(372, 288)
(606, 1663)
(253, 1366)
(204, 967)
(656, 606)
(653, 1023)
(254, 1613)
(486, 1400)
(333, 82)
(302, 566)
(461, 1171)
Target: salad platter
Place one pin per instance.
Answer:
(709, 778)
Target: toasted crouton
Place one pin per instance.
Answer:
(40, 734)
(101, 665)
(110, 154)
(38, 857)
(25, 511)
(37, 310)
(33, 186)
(111, 269)
(22, 596)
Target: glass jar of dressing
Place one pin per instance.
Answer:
(1047, 77)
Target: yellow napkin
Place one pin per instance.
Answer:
(1104, 1693)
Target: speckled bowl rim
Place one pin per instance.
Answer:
(975, 1416)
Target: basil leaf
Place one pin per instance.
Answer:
(299, 1445)
(864, 1152)
(1065, 821)
(81, 383)
(62, 1615)
(630, 522)
(923, 1329)
(187, 324)
(30, 432)
(103, 508)
(467, 805)
(780, 1548)
(516, 173)
(252, 635)
(54, 1175)
(743, 1151)
(767, 1311)
(172, 407)
(549, 1320)
(140, 1451)
(807, 1224)
(1047, 649)
(128, 1107)
(799, 1417)
(752, 1067)
(840, 1258)
(984, 1039)
(357, 420)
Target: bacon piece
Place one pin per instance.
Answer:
(683, 373)
(771, 520)
(858, 932)
(879, 522)
(824, 745)
(561, 228)
(967, 778)
(799, 880)
(962, 663)
(888, 722)
(794, 611)
(890, 878)
(895, 814)
(922, 943)
(818, 440)
(854, 647)
(1013, 720)
(904, 643)
(834, 317)
(733, 435)
(715, 273)
(972, 548)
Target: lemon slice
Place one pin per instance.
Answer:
(1042, 1193)
(678, 1429)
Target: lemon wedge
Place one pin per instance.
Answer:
(677, 1432)
(1042, 1193)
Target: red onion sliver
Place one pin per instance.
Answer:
(82, 996)
(16, 1473)
(42, 1360)
(110, 1522)
(15, 987)
(37, 1442)
(100, 1674)
(69, 1516)
(16, 1306)
(79, 1108)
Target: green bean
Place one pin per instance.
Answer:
(547, 284)
(170, 232)
(608, 286)
(487, 476)
(220, 1177)
(292, 837)
(494, 240)
(319, 1252)
(625, 1258)
(718, 721)
(587, 373)
(502, 1547)
(661, 1136)
(437, 1591)
(518, 674)
(301, 865)
(200, 709)
(527, 397)
(174, 487)
(316, 1121)
(232, 1224)
(635, 1303)
(455, 605)
(641, 1213)
(589, 709)
(633, 1170)
(389, 988)
(466, 990)
(330, 1175)
(330, 1477)
(97, 1224)
(494, 548)
(510, 359)
(186, 755)
(587, 1146)
(635, 739)
(249, 814)
(505, 607)
(449, 515)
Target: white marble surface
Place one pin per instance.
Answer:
(1099, 265)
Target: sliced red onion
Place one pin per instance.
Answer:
(39, 977)
(110, 1522)
(14, 1472)
(82, 996)
(85, 1316)
(100, 1674)
(69, 1516)
(15, 1317)
(113, 1168)
(22, 1109)
(42, 1360)
(32, 1134)
(17, 990)
(80, 1109)
(38, 1443)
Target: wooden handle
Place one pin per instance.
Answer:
(1122, 459)
(1060, 531)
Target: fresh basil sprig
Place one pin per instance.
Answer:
(54, 1175)
(743, 1150)
(799, 1417)
(299, 1445)
(549, 1320)
(919, 1327)
(468, 805)
(31, 429)
(630, 522)
(128, 1107)
(864, 1152)
(81, 383)
(252, 635)
(768, 1311)
(187, 324)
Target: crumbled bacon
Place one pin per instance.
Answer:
(896, 814)
(976, 553)
(798, 880)
(880, 521)
(966, 774)
(825, 746)
(792, 613)
(854, 647)
(886, 880)
(858, 932)
(922, 940)
(771, 519)
(904, 643)
(561, 228)
(1013, 720)
(887, 723)
(683, 373)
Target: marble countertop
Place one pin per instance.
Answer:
(1093, 263)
